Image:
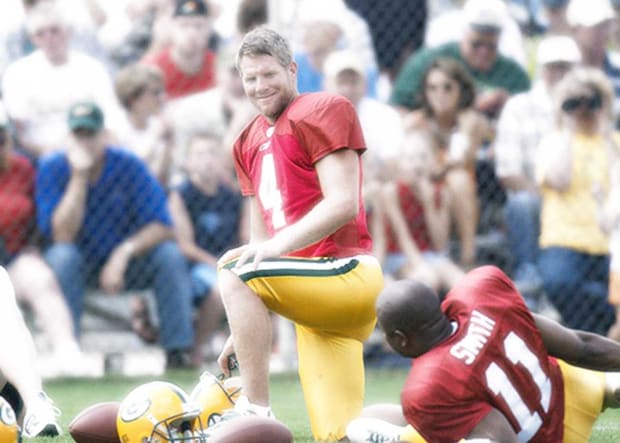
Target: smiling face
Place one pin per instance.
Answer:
(269, 85)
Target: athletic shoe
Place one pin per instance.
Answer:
(41, 418)
(372, 430)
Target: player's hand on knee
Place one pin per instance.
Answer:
(226, 360)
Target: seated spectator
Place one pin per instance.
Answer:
(39, 89)
(449, 26)
(140, 90)
(574, 159)
(108, 222)
(207, 217)
(33, 281)
(525, 119)
(496, 76)
(411, 220)
(457, 131)
(188, 64)
(18, 43)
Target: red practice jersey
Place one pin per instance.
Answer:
(494, 359)
(276, 164)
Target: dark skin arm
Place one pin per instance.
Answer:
(579, 348)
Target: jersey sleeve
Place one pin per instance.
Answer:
(331, 127)
(243, 178)
(442, 411)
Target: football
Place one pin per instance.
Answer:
(252, 429)
(96, 424)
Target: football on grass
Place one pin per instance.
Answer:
(96, 424)
(252, 429)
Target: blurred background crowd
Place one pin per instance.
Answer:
(491, 128)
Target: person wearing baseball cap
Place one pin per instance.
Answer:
(591, 24)
(107, 221)
(523, 122)
(85, 116)
(188, 65)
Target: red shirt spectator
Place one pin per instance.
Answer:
(16, 204)
(178, 83)
(188, 64)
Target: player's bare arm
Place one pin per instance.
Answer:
(339, 178)
(579, 348)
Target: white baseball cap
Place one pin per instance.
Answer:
(339, 61)
(588, 12)
(557, 49)
(485, 15)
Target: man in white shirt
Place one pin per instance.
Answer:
(39, 89)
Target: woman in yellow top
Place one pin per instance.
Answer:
(574, 160)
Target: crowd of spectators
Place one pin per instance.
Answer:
(480, 116)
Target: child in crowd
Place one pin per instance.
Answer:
(208, 219)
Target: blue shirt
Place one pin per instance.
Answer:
(124, 199)
(215, 217)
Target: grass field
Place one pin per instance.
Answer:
(382, 386)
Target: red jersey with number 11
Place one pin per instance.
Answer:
(494, 359)
(276, 164)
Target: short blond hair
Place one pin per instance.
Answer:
(265, 41)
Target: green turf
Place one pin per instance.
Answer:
(382, 386)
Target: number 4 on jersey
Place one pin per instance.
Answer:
(269, 192)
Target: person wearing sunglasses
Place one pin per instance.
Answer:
(456, 131)
(575, 158)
